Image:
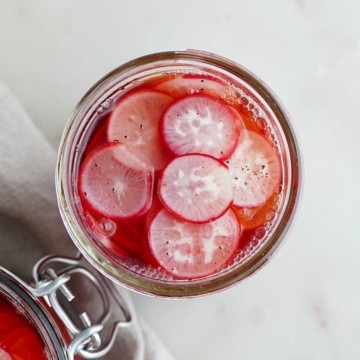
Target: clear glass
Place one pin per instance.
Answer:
(98, 99)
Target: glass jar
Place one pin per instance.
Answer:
(46, 305)
(98, 100)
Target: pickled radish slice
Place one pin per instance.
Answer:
(135, 122)
(251, 218)
(4, 355)
(196, 188)
(196, 84)
(200, 124)
(114, 188)
(189, 250)
(255, 170)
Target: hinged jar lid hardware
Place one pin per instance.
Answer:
(52, 275)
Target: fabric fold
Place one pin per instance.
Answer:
(30, 223)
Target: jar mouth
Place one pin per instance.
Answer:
(65, 180)
(12, 289)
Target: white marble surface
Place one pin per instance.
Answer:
(305, 304)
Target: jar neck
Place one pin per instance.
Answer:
(65, 332)
(76, 135)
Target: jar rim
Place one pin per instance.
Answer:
(180, 289)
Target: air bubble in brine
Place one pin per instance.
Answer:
(270, 215)
(107, 227)
(262, 123)
(260, 232)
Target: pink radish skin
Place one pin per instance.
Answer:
(255, 170)
(200, 124)
(135, 122)
(113, 188)
(191, 84)
(187, 250)
(196, 188)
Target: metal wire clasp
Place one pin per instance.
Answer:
(85, 340)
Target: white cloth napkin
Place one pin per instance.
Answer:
(30, 224)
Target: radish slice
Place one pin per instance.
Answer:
(252, 218)
(201, 124)
(196, 188)
(190, 250)
(181, 85)
(112, 187)
(135, 122)
(255, 170)
(5, 355)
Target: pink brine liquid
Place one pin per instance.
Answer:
(181, 174)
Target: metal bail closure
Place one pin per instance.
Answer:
(51, 276)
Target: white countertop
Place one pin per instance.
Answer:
(305, 304)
